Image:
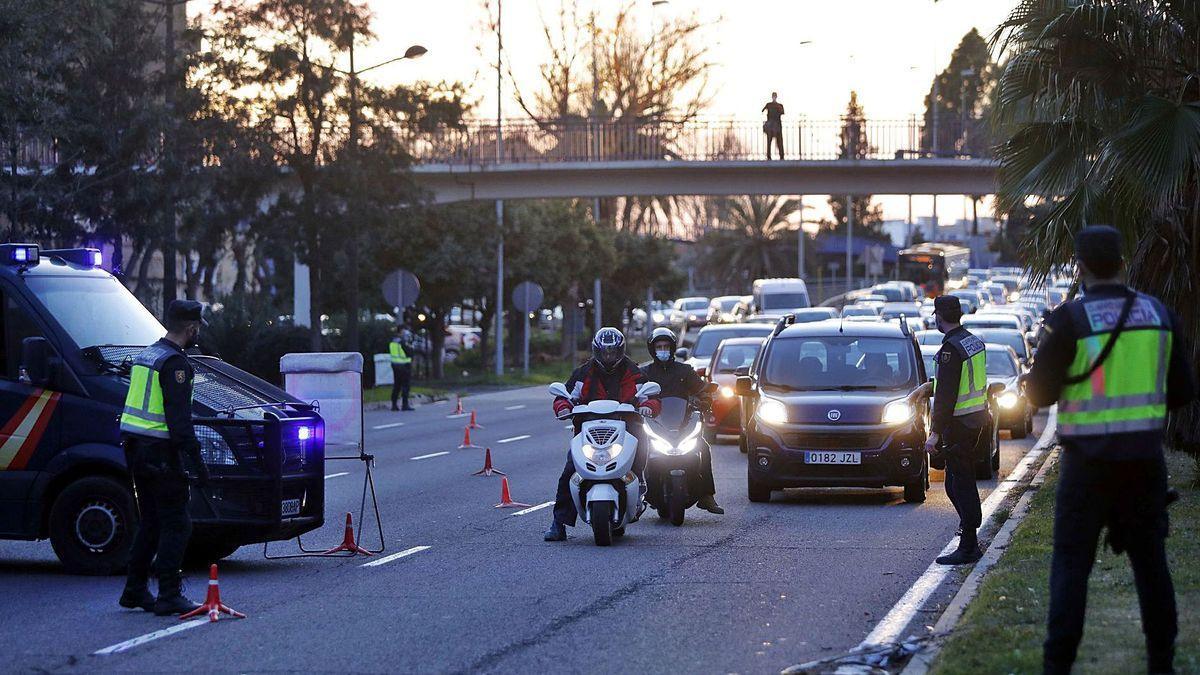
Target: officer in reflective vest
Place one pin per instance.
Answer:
(157, 432)
(399, 349)
(1114, 362)
(957, 421)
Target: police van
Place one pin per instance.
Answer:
(70, 332)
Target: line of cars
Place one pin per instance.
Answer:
(835, 396)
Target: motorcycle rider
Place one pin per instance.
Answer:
(609, 374)
(679, 380)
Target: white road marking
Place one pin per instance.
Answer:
(148, 637)
(532, 509)
(395, 556)
(514, 407)
(393, 425)
(901, 614)
(454, 417)
(570, 426)
(514, 439)
(336, 475)
(432, 454)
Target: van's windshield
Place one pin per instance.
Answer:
(96, 311)
(774, 302)
(839, 363)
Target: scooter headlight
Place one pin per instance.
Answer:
(601, 455)
(1008, 400)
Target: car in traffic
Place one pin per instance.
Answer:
(892, 293)
(860, 311)
(777, 296)
(814, 314)
(709, 338)
(835, 404)
(689, 313)
(732, 354)
(1014, 411)
(721, 309)
(909, 311)
(992, 320)
(999, 336)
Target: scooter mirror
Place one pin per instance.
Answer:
(559, 389)
(649, 389)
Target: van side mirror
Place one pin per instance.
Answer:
(682, 353)
(741, 370)
(711, 388)
(744, 385)
(36, 361)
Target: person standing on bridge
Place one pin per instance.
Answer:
(773, 127)
(1115, 362)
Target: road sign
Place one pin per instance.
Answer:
(527, 296)
(401, 288)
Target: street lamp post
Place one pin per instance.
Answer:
(499, 202)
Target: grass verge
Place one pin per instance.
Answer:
(1003, 629)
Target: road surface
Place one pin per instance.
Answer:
(804, 577)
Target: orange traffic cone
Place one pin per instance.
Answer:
(474, 424)
(458, 410)
(506, 501)
(488, 469)
(348, 544)
(467, 444)
(213, 606)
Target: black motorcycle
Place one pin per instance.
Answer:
(674, 464)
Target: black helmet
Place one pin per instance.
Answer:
(662, 333)
(608, 347)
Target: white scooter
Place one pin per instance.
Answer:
(606, 491)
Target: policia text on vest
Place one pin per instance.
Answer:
(1111, 414)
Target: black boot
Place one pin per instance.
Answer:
(709, 503)
(968, 551)
(137, 593)
(556, 532)
(171, 600)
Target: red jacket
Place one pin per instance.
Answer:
(590, 382)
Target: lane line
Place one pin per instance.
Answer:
(335, 475)
(514, 407)
(459, 415)
(901, 614)
(148, 637)
(532, 508)
(570, 426)
(432, 454)
(395, 556)
(393, 425)
(514, 439)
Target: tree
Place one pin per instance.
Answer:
(1099, 106)
(753, 240)
(957, 97)
(854, 144)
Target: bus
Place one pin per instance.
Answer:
(934, 266)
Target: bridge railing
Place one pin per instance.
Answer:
(697, 140)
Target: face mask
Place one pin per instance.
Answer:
(663, 355)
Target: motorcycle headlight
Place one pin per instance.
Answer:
(771, 411)
(1008, 400)
(601, 455)
(727, 392)
(898, 412)
(658, 317)
(214, 450)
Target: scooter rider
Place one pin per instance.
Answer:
(679, 380)
(609, 374)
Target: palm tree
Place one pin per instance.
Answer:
(751, 240)
(1100, 106)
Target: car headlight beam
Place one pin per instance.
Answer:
(772, 411)
(1008, 400)
(727, 392)
(898, 412)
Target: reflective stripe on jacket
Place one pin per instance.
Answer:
(398, 353)
(144, 413)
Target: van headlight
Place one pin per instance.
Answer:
(727, 392)
(898, 412)
(771, 411)
(1008, 400)
(601, 455)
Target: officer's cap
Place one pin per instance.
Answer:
(186, 310)
(948, 307)
(1098, 247)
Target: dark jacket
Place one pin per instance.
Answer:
(1056, 352)
(949, 369)
(176, 378)
(678, 380)
(590, 382)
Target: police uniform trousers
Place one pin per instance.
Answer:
(961, 445)
(401, 382)
(162, 499)
(1129, 497)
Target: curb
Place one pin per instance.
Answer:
(924, 659)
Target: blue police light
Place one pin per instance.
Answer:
(85, 257)
(303, 433)
(19, 254)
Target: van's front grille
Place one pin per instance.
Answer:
(807, 440)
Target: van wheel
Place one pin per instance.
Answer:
(92, 524)
(756, 491)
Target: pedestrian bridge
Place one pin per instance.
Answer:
(524, 160)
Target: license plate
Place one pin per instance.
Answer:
(290, 507)
(818, 457)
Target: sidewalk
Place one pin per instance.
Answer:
(1003, 629)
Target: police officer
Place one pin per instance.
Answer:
(400, 350)
(1114, 361)
(958, 419)
(157, 432)
(679, 380)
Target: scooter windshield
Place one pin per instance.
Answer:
(674, 413)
